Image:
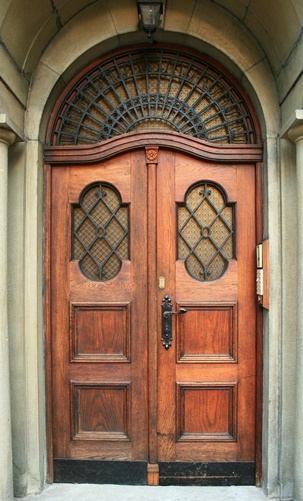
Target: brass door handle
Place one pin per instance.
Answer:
(167, 314)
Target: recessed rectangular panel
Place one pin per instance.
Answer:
(207, 333)
(100, 332)
(206, 412)
(100, 411)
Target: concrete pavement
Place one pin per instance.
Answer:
(89, 492)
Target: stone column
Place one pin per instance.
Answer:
(295, 134)
(7, 137)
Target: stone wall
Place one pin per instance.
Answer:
(31, 81)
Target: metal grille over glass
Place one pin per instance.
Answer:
(153, 89)
(205, 231)
(100, 232)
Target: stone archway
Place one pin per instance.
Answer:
(177, 96)
(53, 64)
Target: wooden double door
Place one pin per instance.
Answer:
(143, 391)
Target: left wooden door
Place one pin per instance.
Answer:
(99, 373)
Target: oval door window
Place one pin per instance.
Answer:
(205, 231)
(100, 232)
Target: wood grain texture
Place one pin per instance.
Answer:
(47, 320)
(232, 433)
(100, 332)
(100, 411)
(92, 400)
(152, 474)
(259, 327)
(117, 394)
(207, 412)
(151, 160)
(166, 266)
(133, 141)
(207, 333)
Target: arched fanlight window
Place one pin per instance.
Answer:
(153, 89)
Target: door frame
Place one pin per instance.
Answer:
(219, 153)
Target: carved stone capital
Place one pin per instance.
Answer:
(295, 133)
(7, 136)
(151, 153)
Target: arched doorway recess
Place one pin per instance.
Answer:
(153, 188)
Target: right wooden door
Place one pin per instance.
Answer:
(206, 237)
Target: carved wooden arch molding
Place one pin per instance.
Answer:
(192, 146)
(166, 89)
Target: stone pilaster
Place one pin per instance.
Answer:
(7, 137)
(295, 134)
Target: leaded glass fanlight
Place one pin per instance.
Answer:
(100, 232)
(153, 89)
(205, 231)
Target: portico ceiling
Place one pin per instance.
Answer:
(28, 26)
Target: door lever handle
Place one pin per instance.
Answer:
(167, 320)
(167, 314)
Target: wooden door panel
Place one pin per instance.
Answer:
(207, 333)
(217, 288)
(206, 412)
(118, 288)
(100, 411)
(100, 332)
(166, 267)
(60, 255)
(187, 168)
(113, 171)
(105, 333)
(99, 349)
(209, 371)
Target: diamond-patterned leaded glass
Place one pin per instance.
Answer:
(205, 226)
(100, 232)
